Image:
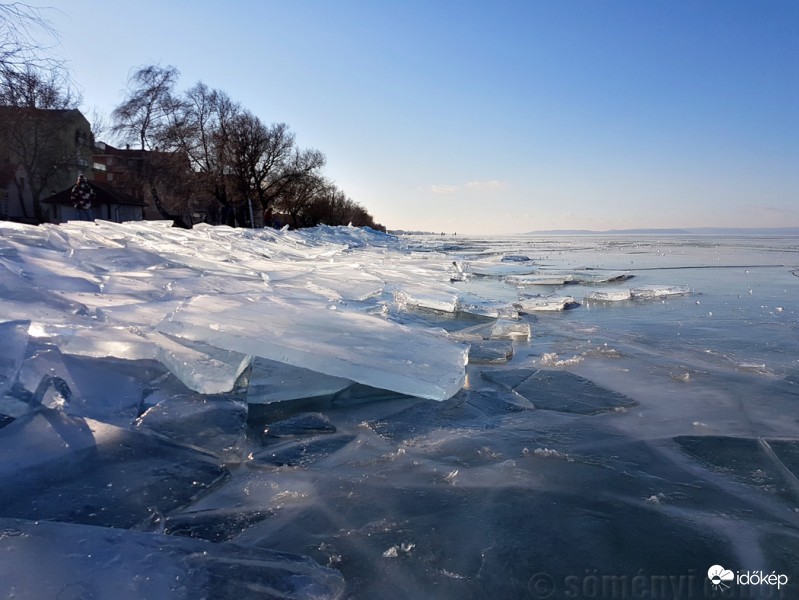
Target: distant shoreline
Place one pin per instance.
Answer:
(685, 231)
(769, 231)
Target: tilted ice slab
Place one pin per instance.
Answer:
(498, 269)
(608, 295)
(311, 334)
(558, 277)
(659, 291)
(544, 303)
(440, 298)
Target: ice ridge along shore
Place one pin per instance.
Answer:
(204, 302)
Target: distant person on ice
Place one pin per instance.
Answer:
(82, 196)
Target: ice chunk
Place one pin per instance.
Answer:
(272, 381)
(544, 303)
(441, 298)
(498, 269)
(12, 350)
(515, 258)
(215, 424)
(608, 295)
(82, 561)
(340, 343)
(80, 386)
(600, 276)
(490, 352)
(57, 467)
(505, 329)
(539, 278)
(200, 367)
(659, 291)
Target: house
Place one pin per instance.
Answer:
(110, 204)
(42, 151)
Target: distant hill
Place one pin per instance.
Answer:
(687, 231)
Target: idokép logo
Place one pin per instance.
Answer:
(721, 578)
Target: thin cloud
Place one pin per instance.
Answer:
(487, 185)
(444, 189)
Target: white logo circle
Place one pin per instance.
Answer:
(718, 575)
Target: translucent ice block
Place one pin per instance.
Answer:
(311, 334)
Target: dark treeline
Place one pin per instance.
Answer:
(206, 152)
(198, 151)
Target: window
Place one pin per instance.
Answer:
(98, 166)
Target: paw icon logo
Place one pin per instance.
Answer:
(718, 576)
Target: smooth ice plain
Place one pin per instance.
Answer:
(340, 413)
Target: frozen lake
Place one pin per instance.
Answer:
(337, 413)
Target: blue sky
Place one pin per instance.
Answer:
(493, 117)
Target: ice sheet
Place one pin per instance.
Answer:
(673, 410)
(336, 342)
(81, 561)
(57, 467)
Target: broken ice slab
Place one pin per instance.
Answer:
(539, 279)
(599, 276)
(442, 298)
(559, 277)
(12, 351)
(216, 424)
(659, 291)
(544, 304)
(515, 258)
(311, 334)
(272, 381)
(559, 391)
(506, 329)
(202, 368)
(501, 329)
(81, 386)
(63, 468)
(608, 295)
(490, 352)
(82, 561)
(498, 269)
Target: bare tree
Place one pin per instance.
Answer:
(199, 129)
(297, 197)
(22, 27)
(143, 114)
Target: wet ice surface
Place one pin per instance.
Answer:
(223, 413)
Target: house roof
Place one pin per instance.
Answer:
(104, 194)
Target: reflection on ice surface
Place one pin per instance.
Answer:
(341, 413)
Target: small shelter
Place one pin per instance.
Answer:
(110, 204)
